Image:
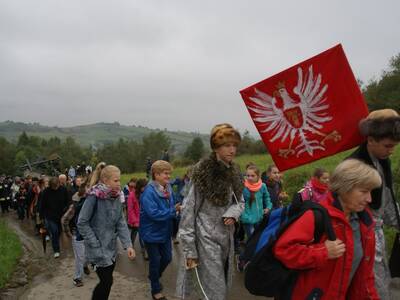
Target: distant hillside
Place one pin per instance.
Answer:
(96, 134)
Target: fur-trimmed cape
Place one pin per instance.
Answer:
(214, 179)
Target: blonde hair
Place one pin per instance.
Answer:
(353, 173)
(108, 171)
(94, 177)
(160, 166)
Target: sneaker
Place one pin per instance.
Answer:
(57, 255)
(86, 270)
(78, 282)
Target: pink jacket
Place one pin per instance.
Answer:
(133, 209)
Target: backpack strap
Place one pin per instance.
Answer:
(323, 224)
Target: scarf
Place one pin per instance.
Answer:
(214, 180)
(318, 185)
(253, 187)
(163, 190)
(102, 191)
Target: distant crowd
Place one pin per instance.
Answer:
(329, 234)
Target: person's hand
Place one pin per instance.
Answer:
(178, 207)
(68, 234)
(131, 253)
(283, 195)
(335, 248)
(229, 221)
(191, 263)
(266, 210)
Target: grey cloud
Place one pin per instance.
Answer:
(174, 64)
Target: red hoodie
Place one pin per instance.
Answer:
(296, 250)
(133, 209)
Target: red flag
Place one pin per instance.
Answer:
(308, 111)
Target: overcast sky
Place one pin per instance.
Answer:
(172, 64)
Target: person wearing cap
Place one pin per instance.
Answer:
(211, 208)
(382, 131)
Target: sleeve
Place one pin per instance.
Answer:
(266, 198)
(153, 211)
(236, 209)
(187, 230)
(43, 205)
(84, 222)
(372, 291)
(123, 232)
(66, 218)
(129, 208)
(295, 249)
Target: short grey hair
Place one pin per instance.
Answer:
(353, 173)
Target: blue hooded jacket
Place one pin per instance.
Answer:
(156, 214)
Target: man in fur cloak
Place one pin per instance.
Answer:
(382, 130)
(210, 210)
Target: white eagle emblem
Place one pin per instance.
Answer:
(295, 118)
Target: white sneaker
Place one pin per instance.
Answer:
(56, 255)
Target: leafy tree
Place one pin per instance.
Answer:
(7, 154)
(154, 144)
(385, 92)
(195, 150)
(250, 145)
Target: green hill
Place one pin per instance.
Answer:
(95, 134)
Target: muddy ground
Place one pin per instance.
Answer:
(40, 276)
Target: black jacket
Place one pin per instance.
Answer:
(54, 203)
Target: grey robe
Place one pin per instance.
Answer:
(205, 237)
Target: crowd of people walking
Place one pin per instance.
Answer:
(214, 209)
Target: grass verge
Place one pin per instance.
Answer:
(10, 252)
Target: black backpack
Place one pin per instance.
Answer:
(265, 275)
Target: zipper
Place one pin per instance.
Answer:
(344, 260)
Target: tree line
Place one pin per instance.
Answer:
(129, 155)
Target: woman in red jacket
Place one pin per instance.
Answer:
(340, 269)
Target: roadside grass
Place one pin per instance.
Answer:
(10, 252)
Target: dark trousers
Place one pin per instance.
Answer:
(175, 226)
(160, 255)
(103, 288)
(134, 234)
(54, 229)
(4, 206)
(21, 211)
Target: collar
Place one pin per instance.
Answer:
(160, 190)
(364, 216)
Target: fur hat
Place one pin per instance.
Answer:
(222, 134)
(382, 123)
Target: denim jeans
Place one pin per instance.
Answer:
(79, 253)
(54, 229)
(249, 229)
(160, 255)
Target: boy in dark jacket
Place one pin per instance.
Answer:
(382, 131)
(53, 205)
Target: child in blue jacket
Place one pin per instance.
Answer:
(157, 212)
